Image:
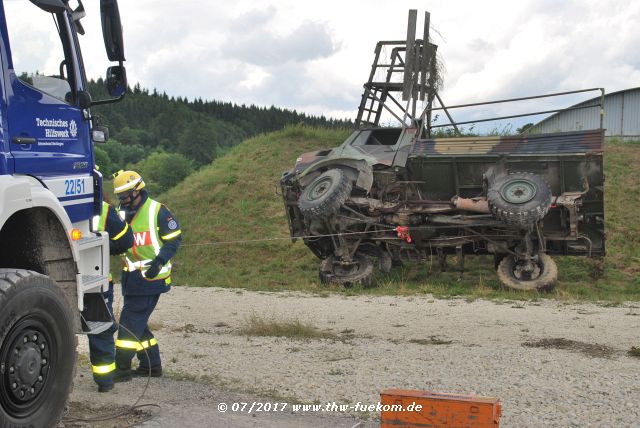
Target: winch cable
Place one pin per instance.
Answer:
(284, 238)
(135, 406)
(131, 409)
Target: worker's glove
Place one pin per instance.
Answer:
(153, 268)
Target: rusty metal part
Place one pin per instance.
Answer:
(403, 217)
(414, 206)
(572, 202)
(430, 207)
(461, 220)
(478, 205)
(368, 203)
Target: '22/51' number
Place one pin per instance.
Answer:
(74, 187)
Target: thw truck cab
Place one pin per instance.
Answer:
(53, 266)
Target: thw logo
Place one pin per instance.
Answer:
(141, 238)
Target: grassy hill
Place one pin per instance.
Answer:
(236, 198)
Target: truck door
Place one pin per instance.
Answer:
(49, 136)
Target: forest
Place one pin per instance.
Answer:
(167, 138)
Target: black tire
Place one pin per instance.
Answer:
(519, 199)
(543, 279)
(384, 262)
(359, 273)
(37, 349)
(325, 195)
(382, 258)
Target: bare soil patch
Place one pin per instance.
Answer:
(81, 415)
(589, 349)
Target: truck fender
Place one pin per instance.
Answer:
(25, 199)
(20, 192)
(358, 170)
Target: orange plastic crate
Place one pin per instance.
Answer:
(437, 410)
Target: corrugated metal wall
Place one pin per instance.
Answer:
(622, 116)
(631, 118)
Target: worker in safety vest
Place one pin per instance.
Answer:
(146, 274)
(101, 346)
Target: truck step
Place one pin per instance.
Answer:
(93, 283)
(95, 327)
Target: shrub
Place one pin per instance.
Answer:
(161, 171)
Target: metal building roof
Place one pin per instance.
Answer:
(621, 119)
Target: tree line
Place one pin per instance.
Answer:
(149, 127)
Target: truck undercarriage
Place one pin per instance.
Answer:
(518, 208)
(391, 194)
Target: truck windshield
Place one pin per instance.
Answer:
(37, 49)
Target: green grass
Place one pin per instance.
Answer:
(432, 340)
(236, 198)
(255, 325)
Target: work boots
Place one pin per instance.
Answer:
(156, 371)
(105, 388)
(122, 375)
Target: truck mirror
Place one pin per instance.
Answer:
(84, 99)
(77, 15)
(51, 6)
(116, 80)
(112, 30)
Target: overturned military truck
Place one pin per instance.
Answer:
(391, 194)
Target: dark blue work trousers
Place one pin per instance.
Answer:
(101, 347)
(134, 336)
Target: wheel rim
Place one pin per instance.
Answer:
(346, 273)
(518, 191)
(346, 269)
(26, 361)
(320, 188)
(522, 274)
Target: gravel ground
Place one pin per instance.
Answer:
(550, 363)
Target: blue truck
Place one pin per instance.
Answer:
(53, 265)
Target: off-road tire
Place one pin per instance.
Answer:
(37, 349)
(545, 281)
(526, 214)
(361, 276)
(383, 261)
(325, 195)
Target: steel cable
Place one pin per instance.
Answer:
(131, 409)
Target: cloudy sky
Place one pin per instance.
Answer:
(315, 56)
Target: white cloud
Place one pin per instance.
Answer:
(262, 47)
(315, 56)
(255, 78)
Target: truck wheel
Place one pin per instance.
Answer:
(519, 199)
(37, 349)
(382, 258)
(543, 278)
(358, 272)
(325, 195)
